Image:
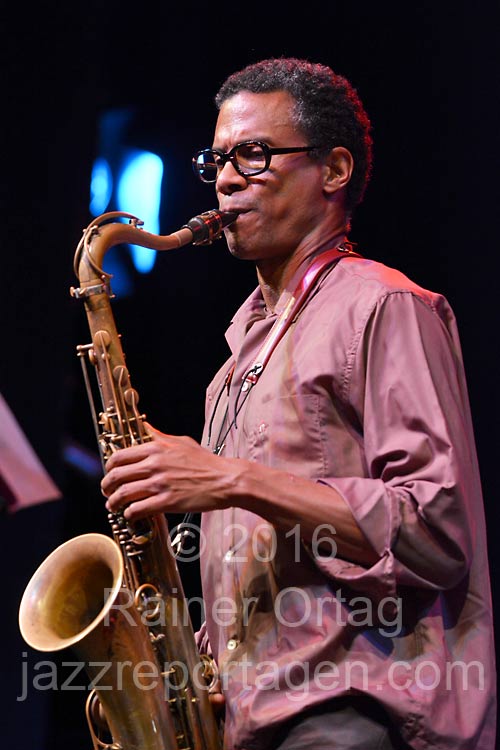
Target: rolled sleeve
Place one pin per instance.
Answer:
(405, 379)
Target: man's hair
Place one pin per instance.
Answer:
(328, 110)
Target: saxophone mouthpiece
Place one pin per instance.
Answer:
(208, 226)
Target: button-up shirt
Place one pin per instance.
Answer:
(366, 394)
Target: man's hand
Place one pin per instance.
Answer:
(169, 474)
(217, 700)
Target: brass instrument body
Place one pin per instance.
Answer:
(76, 600)
(143, 619)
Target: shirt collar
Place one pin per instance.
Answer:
(254, 308)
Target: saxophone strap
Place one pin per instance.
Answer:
(329, 258)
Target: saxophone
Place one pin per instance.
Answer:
(118, 601)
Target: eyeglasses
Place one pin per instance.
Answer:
(248, 158)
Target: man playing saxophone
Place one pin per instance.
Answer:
(345, 576)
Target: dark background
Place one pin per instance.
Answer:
(428, 76)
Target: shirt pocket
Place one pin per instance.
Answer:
(286, 433)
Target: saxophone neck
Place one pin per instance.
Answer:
(107, 230)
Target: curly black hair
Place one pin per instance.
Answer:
(328, 110)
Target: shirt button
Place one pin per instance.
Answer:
(232, 644)
(228, 555)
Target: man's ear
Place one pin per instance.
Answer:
(338, 166)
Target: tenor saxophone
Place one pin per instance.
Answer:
(118, 600)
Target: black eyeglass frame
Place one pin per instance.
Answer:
(224, 157)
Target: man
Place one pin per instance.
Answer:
(345, 577)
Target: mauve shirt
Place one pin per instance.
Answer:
(365, 393)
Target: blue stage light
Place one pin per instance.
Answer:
(101, 187)
(139, 193)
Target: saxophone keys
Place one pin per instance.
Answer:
(101, 340)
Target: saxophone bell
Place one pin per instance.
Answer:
(76, 599)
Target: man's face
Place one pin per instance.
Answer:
(282, 208)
